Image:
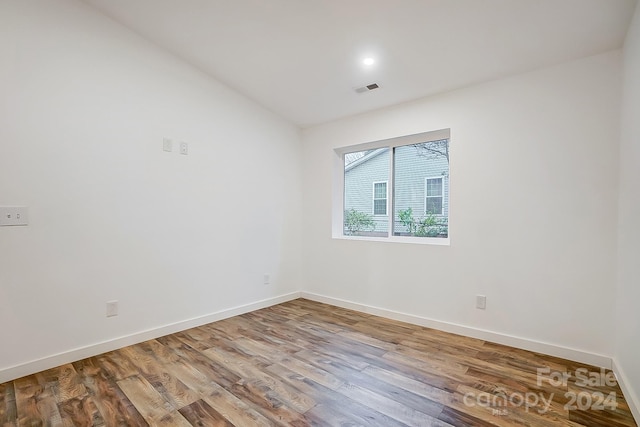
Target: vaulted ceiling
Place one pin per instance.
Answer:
(304, 58)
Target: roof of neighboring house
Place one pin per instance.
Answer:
(365, 158)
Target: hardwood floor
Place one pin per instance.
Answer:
(303, 363)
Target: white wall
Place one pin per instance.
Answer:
(84, 105)
(533, 209)
(627, 325)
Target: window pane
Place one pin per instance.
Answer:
(365, 204)
(380, 198)
(434, 205)
(434, 187)
(421, 189)
(380, 190)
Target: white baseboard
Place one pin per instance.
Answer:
(629, 394)
(28, 368)
(512, 341)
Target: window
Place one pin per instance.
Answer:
(434, 191)
(380, 198)
(394, 190)
(365, 193)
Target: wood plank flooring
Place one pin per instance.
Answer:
(303, 363)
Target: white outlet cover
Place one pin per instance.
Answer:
(481, 302)
(14, 215)
(184, 148)
(112, 308)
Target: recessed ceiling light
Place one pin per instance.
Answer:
(368, 61)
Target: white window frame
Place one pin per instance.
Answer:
(337, 212)
(386, 198)
(426, 196)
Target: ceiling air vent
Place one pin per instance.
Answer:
(367, 88)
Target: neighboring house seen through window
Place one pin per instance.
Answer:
(364, 202)
(396, 189)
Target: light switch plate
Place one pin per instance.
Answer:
(167, 145)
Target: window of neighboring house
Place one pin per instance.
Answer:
(394, 190)
(380, 198)
(434, 195)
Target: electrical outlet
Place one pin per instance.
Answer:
(184, 148)
(13, 215)
(267, 279)
(112, 308)
(481, 302)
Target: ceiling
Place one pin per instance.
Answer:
(303, 58)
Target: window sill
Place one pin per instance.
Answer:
(436, 241)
